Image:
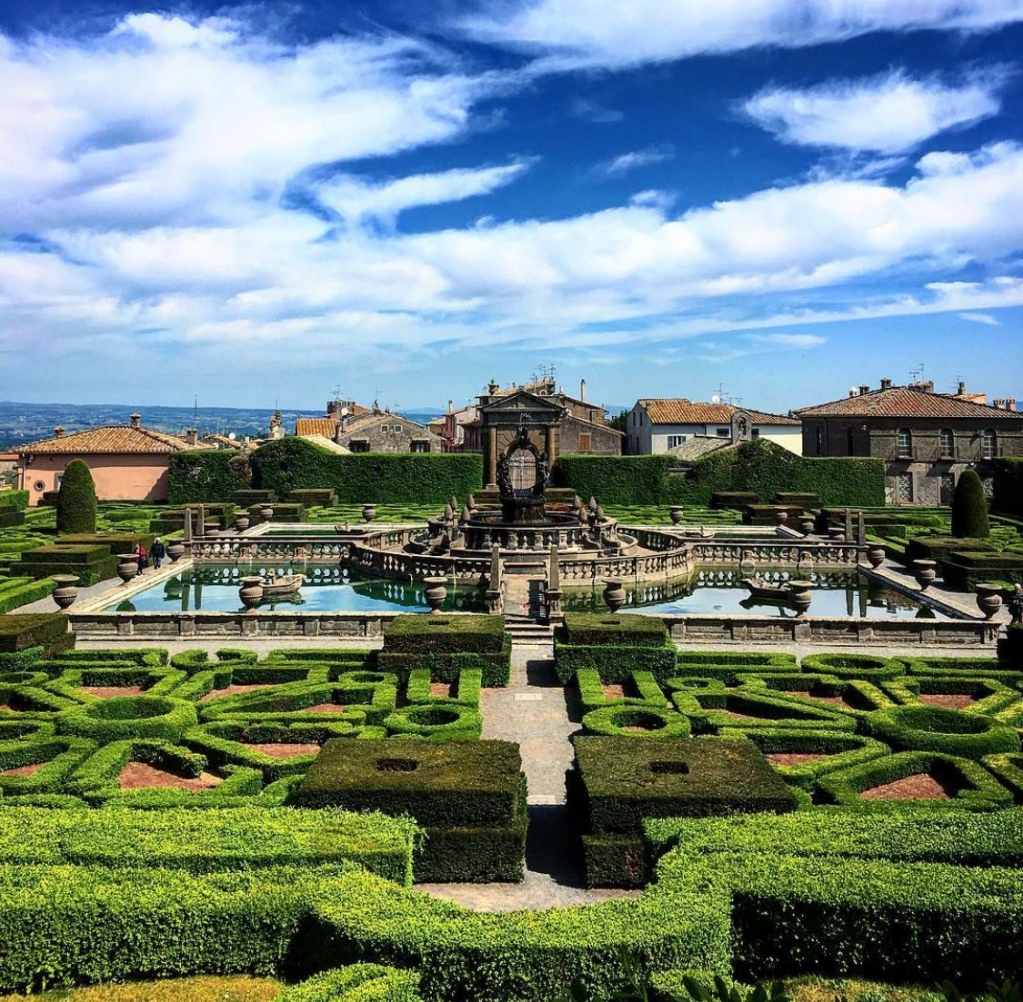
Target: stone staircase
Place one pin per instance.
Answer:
(528, 631)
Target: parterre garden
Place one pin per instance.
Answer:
(212, 814)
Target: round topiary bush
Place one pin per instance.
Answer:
(969, 508)
(636, 722)
(129, 717)
(76, 501)
(939, 729)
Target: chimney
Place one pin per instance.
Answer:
(191, 436)
(58, 432)
(961, 388)
(451, 406)
(864, 389)
(582, 389)
(853, 391)
(886, 383)
(136, 420)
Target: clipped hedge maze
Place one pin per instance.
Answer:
(469, 797)
(138, 729)
(617, 783)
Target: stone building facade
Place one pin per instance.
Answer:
(380, 431)
(926, 439)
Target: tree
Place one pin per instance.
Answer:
(969, 508)
(76, 501)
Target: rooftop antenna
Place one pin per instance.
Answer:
(918, 372)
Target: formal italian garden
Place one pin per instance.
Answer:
(215, 812)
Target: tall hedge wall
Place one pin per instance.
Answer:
(761, 467)
(380, 478)
(204, 477)
(1008, 476)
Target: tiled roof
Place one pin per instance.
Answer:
(323, 426)
(119, 438)
(366, 421)
(678, 410)
(326, 443)
(699, 445)
(907, 402)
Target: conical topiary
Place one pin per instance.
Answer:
(76, 501)
(969, 508)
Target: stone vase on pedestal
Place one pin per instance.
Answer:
(175, 551)
(266, 513)
(614, 594)
(127, 566)
(806, 526)
(781, 517)
(675, 513)
(800, 595)
(925, 571)
(369, 512)
(435, 593)
(241, 522)
(875, 555)
(67, 590)
(251, 592)
(989, 599)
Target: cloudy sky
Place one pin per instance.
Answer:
(774, 198)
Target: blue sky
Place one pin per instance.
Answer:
(779, 199)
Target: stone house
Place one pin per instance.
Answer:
(664, 424)
(926, 439)
(379, 431)
(127, 462)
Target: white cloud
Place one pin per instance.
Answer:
(625, 162)
(355, 200)
(981, 318)
(885, 114)
(578, 33)
(789, 340)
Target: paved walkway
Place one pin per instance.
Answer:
(539, 714)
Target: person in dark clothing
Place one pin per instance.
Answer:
(142, 558)
(158, 552)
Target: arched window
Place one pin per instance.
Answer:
(989, 443)
(947, 442)
(904, 442)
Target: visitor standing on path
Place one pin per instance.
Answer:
(142, 559)
(158, 551)
(1016, 605)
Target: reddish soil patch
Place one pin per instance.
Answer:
(108, 691)
(632, 729)
(735, 715)
(139, 775)
(614, 691)
(441, 690)
(793, 758)
(284, 751)
(833, 700)
(230, 690)
(954, 700)
(918, 787)
(324, 708)
(24, 770)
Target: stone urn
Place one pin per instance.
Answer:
(369, 512)
(67, 590)
(266, 513)
(836, 535)
(781, 517)
(925, 571)
(800, 595)
(251, 592)
(614, 594)
(175, 551)
(127, 567)
(989, 599)
(241, 522)
(435, 593)
(675, 513)
(875, 555)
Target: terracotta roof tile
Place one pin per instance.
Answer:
(678, 410)
(908, 402)
(325, 427)
(112, 439)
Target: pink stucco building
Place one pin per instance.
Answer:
(128, 462)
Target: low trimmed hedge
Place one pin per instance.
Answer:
(636, 722)
(643, 684)
(613, 663)
(445, 635)
(938, 729)
(357, 983)
(48, 630)
(867, 667)
(438, 723)
(129, 717)
(21, 591)
(467, 689)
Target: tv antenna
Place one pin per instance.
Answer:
(918, 372)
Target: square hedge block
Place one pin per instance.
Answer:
(457, 784)
(622, 781)
(425, 634)
(587, 628)
(48, 630)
